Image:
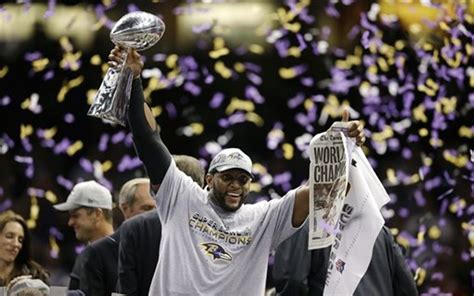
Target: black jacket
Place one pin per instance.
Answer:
(298, 271)
(99, 274)
(138, 254)
(76, 272)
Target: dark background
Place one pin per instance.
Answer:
(420, 142)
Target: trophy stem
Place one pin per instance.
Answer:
(111, 100)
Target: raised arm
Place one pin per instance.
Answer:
(146, 136)
(301, 207)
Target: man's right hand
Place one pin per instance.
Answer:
(134, 62)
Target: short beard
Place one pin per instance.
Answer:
(221, 201)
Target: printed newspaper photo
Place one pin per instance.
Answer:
(329, 164)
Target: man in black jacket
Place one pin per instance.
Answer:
(99, 274)
(90, 214)
(138, 252)
(298, 271)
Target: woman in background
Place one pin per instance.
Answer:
(15, 250)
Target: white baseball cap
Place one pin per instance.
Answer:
(231, 158)
(87, 194)
(22, 284)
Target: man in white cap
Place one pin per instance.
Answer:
(90, 214)
(100, 258)
(212, 242)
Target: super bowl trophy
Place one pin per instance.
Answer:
(138, 30)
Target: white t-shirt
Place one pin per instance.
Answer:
(207, 251)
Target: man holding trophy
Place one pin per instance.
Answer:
(212, 242)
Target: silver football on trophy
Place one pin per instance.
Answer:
(138, 30)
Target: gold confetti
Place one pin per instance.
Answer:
(423, 132)
(260, 169)
(383, 135)
(71, 150)
(25, 131)
(50, 133)
(415, 178)
(198, 128)
(333, 108)
(469, 50)
(256, 49)
(171, 61)
(287, 73)
(219, 43)
(446, 105)
(383, 64)
(40, 65)
(420, 237)
(444, 26)
(350, 61)
(419, 113)
(285, 16)
(68, 86)
(455, 206)
(237, 104)
(436, 142)
(294, 52)
(420, 276)
(423, 88)
(25, 104)
(65, 44)
(308, 104)
(288, 151)
(215, 54)
(254, 118)
(90, 94)
(391, 177)
(465, 132)
(394, 231)
(459, 161)
(467, 226)
(106, 165)
(51, 197)
(34, 213)
(3, 71)
(400, 44)
(156, 111)
(434, 232)
(220, 68)
(427, 161)
(239, 67)
(372, 70)
(295, 28)
(95, 60)
(71, 60)
(255, 186)
(53, 245)
(403, 241)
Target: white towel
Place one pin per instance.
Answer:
(361, 221)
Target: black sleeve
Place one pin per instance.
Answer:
(76, 273)
(127, 281)
(291, 265)
(403, 280)
(92, 280)
(148, 144)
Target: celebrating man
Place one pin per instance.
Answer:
(212, 241)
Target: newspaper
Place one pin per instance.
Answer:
(330, 155)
